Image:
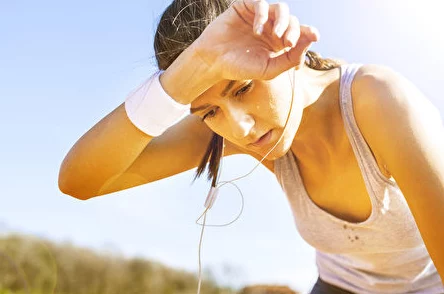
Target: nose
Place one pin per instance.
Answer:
(240, 122)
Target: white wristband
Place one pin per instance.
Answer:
(151, 109)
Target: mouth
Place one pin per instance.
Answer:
(264, 140)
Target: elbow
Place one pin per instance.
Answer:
(75, 193)
(70, 188)
(84, 186)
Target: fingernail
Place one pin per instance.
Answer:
(278, 30)
(291, 40)
(315, 32)
(259, 29)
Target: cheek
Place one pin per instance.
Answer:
(218, 126)
(279, 103)
(277, 110)
(222, 129)
(290, 130)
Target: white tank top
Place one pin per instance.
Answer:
(383, 254)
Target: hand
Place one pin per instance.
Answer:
(254, 40)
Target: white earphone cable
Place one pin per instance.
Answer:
(214, 190)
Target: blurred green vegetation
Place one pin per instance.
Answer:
(29, 265)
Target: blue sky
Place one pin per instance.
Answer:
(65, 65)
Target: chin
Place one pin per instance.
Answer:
(288, 137)
(281, 149)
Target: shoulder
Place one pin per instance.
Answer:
(379, 85)
(382, 95)
(377, 93)
(389, 109)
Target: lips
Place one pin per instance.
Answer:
(262, 141)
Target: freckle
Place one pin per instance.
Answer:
(352, 240)
(356, 237)
(349, 237)
(345, 227)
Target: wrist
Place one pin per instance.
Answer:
(188, 77)
(152, 110)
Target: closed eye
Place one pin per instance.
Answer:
(244, 89)
(210, 114)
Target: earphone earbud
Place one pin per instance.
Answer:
(212, 194)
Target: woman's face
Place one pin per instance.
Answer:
(251, 114)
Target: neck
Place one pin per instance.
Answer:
(320, 91)
(316, 84)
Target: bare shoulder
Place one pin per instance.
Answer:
(386, 105)
(378, 90)
(374, 81)
(371, 78)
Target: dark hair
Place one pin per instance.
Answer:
(182, 22)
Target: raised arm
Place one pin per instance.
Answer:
(250, 40)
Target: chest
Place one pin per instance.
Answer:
(340, 191)
(337, 186)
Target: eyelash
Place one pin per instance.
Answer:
(238, 94)
(244, 89)
(209, 115)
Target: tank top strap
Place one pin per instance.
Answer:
(364, 155)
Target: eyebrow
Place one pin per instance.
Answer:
(200, 108)
(223, 94)
(227, 88)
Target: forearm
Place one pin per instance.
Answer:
(102, 153)
(188, 76)
(110, 147)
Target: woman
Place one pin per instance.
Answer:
(357, 149)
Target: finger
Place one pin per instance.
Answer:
(293, 58)
(296, 56)
(310, 32)
(292, 33)
(282, 18)
(261, 8)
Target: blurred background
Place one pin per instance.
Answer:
(66, 64)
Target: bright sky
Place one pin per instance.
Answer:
(66, 64)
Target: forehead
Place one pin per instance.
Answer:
(217, 91)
